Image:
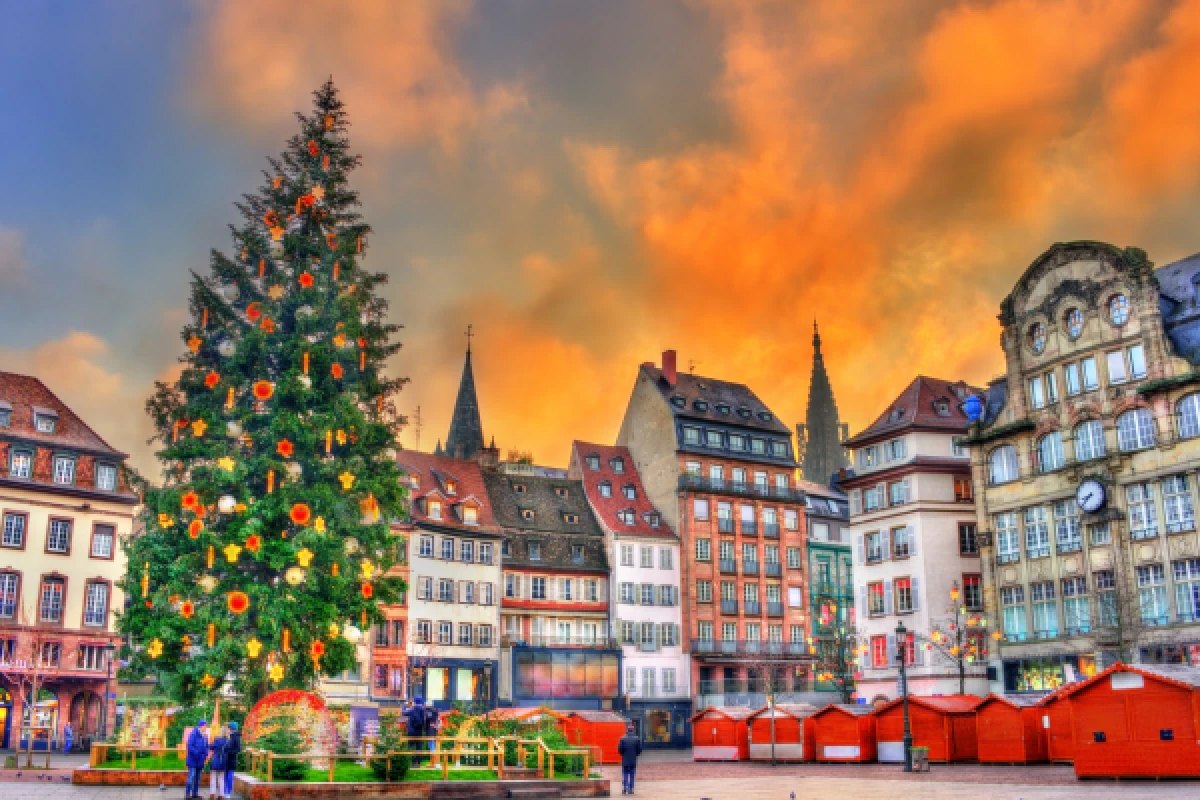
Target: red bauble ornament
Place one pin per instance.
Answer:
(285, 448)
(253, 311)
(331, 240)
(301, 514)
(314, 149)
(337, 371)
(368, 591)
(238, 602)
(263, 390)
(187, 610)
(254, 543)
(307, 201)
(305, 279)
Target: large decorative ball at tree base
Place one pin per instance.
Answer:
(313, 721)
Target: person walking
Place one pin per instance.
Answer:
(232, 748)
(216, 765)
(68, 738)
(197, 755)
(630, 747)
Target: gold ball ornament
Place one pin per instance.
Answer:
(295, 576)
(154, 649)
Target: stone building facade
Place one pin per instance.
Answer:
(65, 506)
(720, 467)
(1087, 450)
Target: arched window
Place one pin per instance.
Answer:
(1050, 452)
(1189, 416)
(1003, 464)
(1089, 440)
(1118, 309)
(1135, 429)
(1074, 323)
(1037, 337)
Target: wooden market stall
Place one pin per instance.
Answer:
(1137, 722)
(793, 732)
(946, 725)
(600, 730)
(1055, 710)
(720, 734)
(844, 733)
(1009, 730)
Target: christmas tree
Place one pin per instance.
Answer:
(264, 552)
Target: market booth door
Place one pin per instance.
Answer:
(720, 734)
(1055, 710)
(601, 731)
(1009, 731)
(1137, 722)
(793, 733)
(946, 725)
(844, 733)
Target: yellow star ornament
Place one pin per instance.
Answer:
(231, 552)
(277, 233)
(277, 673)
(368, 569)
(319, 524)
(165, 521)
(154, 649)
(253, 647)
(275, 292)
(304, 556)
(208, 681)
(226, 463)
(346, 478)
(194, 344)
(199, 427)
(317, 192)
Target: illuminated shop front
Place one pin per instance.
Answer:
(447, 681)
(661, 723)
(1046, 673)
(566, 678)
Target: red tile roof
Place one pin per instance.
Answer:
(734, 713)
(950, 704)
(432, 474)
(916, 409)
(24, 393)
(1181, 675)
(793, 710)
(607, 508)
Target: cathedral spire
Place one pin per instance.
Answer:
(820, 437)
(465, 439)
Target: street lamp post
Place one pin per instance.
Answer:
(108, 654)
(902, 652)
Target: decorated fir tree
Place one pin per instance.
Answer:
(264, 551)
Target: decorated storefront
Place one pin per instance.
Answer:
(1047, 673)
(662, 724)
(446, 681)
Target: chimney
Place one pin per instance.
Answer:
(668, 366)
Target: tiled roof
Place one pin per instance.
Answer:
(607, 508)
(950, 704)
(793, 710)
(735, 395)
(545, 498)
(916, 408)
(24, 393)
(847, 708)
(431, 474)
(598, 716)
(1014, 700)
(730, 712)
(1182, 675)
(821, 490)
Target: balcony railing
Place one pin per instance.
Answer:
(771, 530)
(1048, 633)
(749, 527)
(1156, 619)
(724, 525)
(749, 567)
(729, 607)
(1007, 558)
(753, 608)
(773, 569)
(544, 640)
(743, 647)
(833, 590)
(728, 565)
(774, 609)
(721, 486)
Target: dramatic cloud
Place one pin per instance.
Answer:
(14, 269)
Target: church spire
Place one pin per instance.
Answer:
(820, 436)
(465, 439)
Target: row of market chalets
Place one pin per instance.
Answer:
(1127, 721)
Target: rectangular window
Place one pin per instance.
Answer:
(626, 555)
(1091, 378)
(737, 441)
(879, 652)
(1101, 533)
(445, 633)
(704, 550)
(898, 493)
(485, 635)
(904, 595)
(102, 541)
(1007, 541)
(875, 603)
(14, 529)
(1037, 533)
(700, 509)
(486, 597)
(1071, 373)
(566, 589)
(873, 499)
(466, 552)
(510, 585)
(874, 547)
(647, 557)
(1051, 388)
(8, 595)
(691, 435)
(485, 552)
(795, 597)
(448, 549)
(963, 492)
(972, 593)
(425, 589)
(626, 593)
(1076, 614)
(464, 635)
(96, 605)
(106, 477)
(1116, 367)
(91, 657)
(21, 465)
(1143, 517)
(58, 538)
(968, 542)
(899, 542)
(668, 680)
(424, 631)
(791, 519)
(52, 600)
(714, 438)
(1177, 505)
(535, 551)
(1036, 398)
(446, 591)
(749, 553)
(1012, 600)
(538, 589)
(793, 558)
(1066, 527)
(64, 470)
(1152, 595)
(666, 560)
(467, 592)
(647, 594)
(425, 547)
(1187, 588)
(728, 590)
(758, 446)
(1106, 597)
(704, 591)
(1045, 610)
(1137, 361)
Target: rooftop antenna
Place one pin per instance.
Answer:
(692, 365)
(417, 429)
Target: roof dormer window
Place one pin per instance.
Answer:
(519, 488)
(617, 464)
(744, 413)
(629, 491)
(942, 407)
(765, 416)
(527, 514)
(451, 487)
(627, 516)
(679, 402)
(433, 509)
(653, 519)
(700, 405)
(571, 519)
(593, 463)
(896, 415)
(722, 408)
(5, 414)
(605, 488)
(470, 515)
(45, 420)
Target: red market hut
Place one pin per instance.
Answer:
(1137, 722)
(793, 732)
(1009, 731)
(946, 725)
(844, 733)
(600, 730)
(1055, 710)
(721, 734)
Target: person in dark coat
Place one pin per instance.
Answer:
(630, 747)
(414, 724)
(197, 755)
(232, 748)
(216, 766)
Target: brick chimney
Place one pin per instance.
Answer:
(668, 366)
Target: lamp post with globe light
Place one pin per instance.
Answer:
(902, 656)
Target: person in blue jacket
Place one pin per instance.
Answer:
(414, 723)
(630, 747)
(216, 766)
(231, 756)
(197, 755)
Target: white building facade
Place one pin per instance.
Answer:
(916, 559)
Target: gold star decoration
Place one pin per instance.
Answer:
(347, 479)
(165, 521)
(368, 569)
(240, 508)
(340, 340)
(194, 344)
(225, 463)
(199, 427)
(253, 647)
(319, 524)
(277, 233)
(207, 582)
(304, 556)
(208, 681)
(317, 192)
(277, 673)
(154, 649)
(275, 292)
(231, 552)
(333, 630)
(341, 437)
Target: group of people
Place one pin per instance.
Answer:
(220, 754)
(420, 720)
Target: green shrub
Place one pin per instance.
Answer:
(391, 740)
(284, 739)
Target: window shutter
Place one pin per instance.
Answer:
(860, 551)
(908, 490)
(884, 498)
(856, 502)
(887, 597)
(916, 593)
(552, 588)
(918, 648)
(517, 585)
(862, 602)
(885, 543)
(660, 595)
(678, 634)
(912, 540)
(891, 650)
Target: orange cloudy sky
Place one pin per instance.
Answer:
(590, 183)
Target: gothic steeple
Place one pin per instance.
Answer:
(465, 439)
(821, 435)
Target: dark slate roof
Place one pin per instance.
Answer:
(735, 395)
(1175, 280)
(25, 394)
(465, 439)
(916, 405)
(1177, 287)
(549, 525)
(823, 452)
